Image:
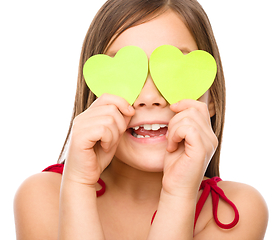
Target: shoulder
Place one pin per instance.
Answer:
(253, 214)
(248, 200)
(36, 206)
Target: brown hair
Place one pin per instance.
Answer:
(116, 16)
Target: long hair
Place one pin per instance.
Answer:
(116, 16)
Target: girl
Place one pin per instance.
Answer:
(115, 185)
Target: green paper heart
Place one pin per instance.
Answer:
(124, 75)
(179, 76)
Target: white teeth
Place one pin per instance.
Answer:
(146, 136)
(153, 127)
(147, 126)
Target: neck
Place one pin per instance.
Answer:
(131, 182)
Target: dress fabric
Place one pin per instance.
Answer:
(208, 186)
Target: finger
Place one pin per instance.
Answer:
(106, 138)
(103, 129)
(189, 103)
(205, 132)
(188, 133)
(194, 137)
(174, 135)
(108, 99)
(109, 134)
(108, 110)
(192, 113)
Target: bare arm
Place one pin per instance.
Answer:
(43, 209)
(78, 215)
(174, 219)
(191, 144)
(95, 137)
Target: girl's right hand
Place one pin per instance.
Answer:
(95, 136)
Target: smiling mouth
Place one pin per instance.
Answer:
(149, 130)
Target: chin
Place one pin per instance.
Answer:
(147, 161)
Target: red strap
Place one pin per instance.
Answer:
(58, 168)
(100, 192)
(208, 186)
(154, 215)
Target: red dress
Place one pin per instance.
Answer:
(208, 186)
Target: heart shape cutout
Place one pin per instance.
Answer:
(178, 76)
(123, 75)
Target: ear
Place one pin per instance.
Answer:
(211, 106)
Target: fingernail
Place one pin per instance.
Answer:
(166, 135)
(130, 108)
(175, 104)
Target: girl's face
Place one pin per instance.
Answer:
(147, 153)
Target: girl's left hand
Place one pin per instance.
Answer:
(191, 145)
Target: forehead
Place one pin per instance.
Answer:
(168, 28)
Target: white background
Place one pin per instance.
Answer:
(40, 46)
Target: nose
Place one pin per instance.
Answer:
(150, 96)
